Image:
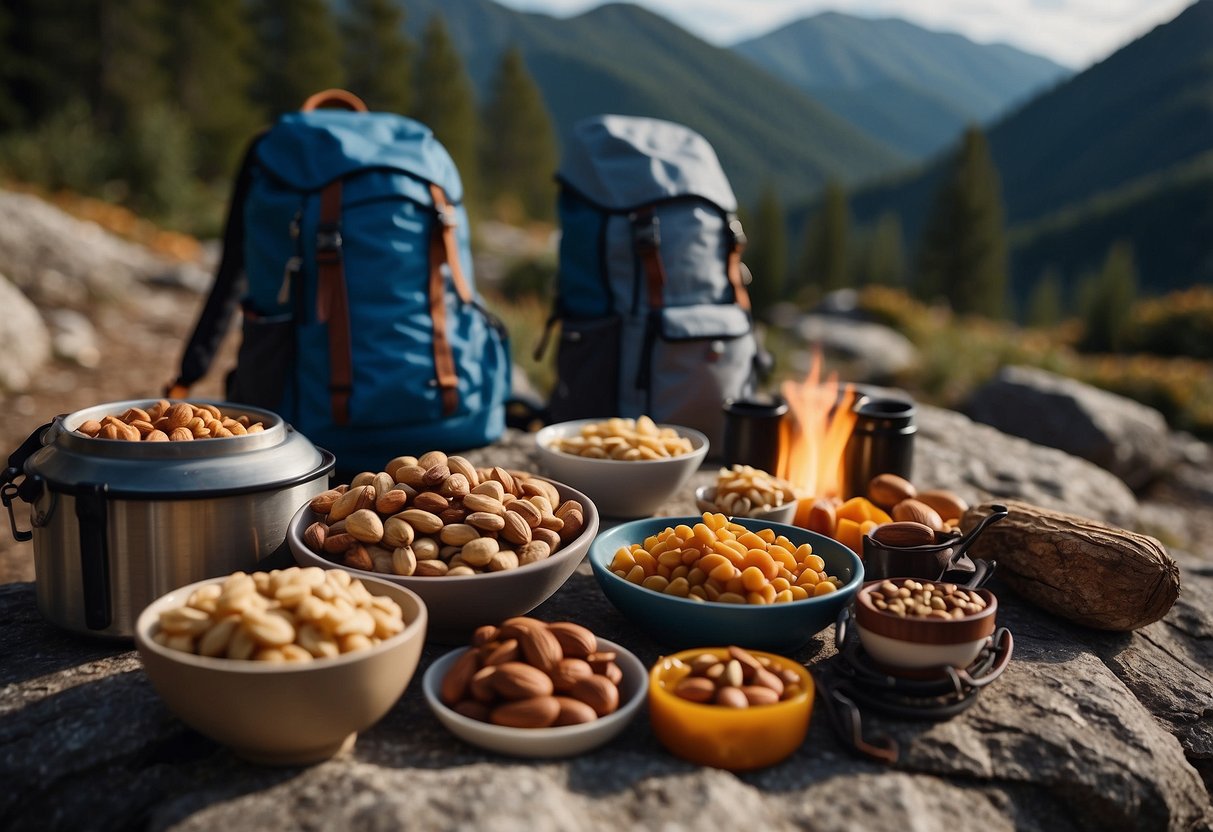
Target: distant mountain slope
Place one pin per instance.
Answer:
(1142, 111)
(623, 59)
(912, 87)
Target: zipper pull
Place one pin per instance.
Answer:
(288, 274)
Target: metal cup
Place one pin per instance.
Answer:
(751, 432)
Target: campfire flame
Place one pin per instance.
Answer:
(813, 437)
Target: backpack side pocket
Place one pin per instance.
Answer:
(265, 361)
(587, 369)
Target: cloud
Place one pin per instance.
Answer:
(1073, 32)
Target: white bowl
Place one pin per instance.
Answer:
(633, 488)
(562, 741)
(705, 499)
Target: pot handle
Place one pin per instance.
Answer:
(29, 488)
(92, 514)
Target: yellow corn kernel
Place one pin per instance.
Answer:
(704, 534)
(670, 558)
(723, 573)
(637, 574)
(768, 535)
(735, 585)
(814, 562)
(781, 583)
(656, 583)
(663, 571)
(650, 541)
(751, 541)
(709, 562)
(711, 592)
(730, 598)
(824, 588)
(782, 556)
(646, 562)
(683, 531)
(680, 571)
(623, 560)
(803, 551)
(698, 592)
(808, 578)
(690, 554)
(620, 573)
(765, 563)
(696, 576)
(755, 598)
(663, 546)
(679, 587)
(784, 597)
(753, 579)
(799, 593)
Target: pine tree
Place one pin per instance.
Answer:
(1044, 303)
(378, 56)
(963, 257)
(445, 100)
(884, 263)
(132, 54)
(825, 264)
(1108, 302)
(519, 149)
(212, 79)
(766, 251)
(298, 52)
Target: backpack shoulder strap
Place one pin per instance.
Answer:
(332, 304)
(444, 249)
(221, 304)
(737, 244)
(646, 238)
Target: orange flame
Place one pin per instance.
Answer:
(813, 437)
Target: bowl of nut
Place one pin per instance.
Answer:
(628, 467)
(910, 625)
(527, 688)
(730, 708)
(744, 491)
(479, 545)
(284, 667)
(695, 581)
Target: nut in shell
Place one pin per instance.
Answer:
(918, 512)
(887, 490)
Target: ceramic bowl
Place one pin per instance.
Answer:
(283, 714)
(562, 741)
(634, 488)
(705, 499)
(911, 643)
(460, 604)
(678, 622)
(729, 738)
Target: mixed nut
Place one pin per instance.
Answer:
(740, 681)
(531, 674)
(167, 421)
(438, 515)
(624, 439)
(743, 490)
(909, 598)
(722, 561)
(287, 615)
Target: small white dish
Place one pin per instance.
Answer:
(562, 741)
(705, 499)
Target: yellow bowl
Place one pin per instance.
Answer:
(736, 739)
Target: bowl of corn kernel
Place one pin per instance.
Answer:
(710, 580)
(628, 467)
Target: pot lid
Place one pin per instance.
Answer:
(275, 457)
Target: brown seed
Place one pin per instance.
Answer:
(904, 534)
(455, 485)
(178, 434)
(431, 501)
(359, 558)
(435, 476)
(551, 538)
(575, 641)
(767, 679)
(535, 712)
(180, 415)
(515, 680)
(887, 490)
(313, 536)
(759, 695)
(500, 652)
(541, 649)
(695, 689)
(323, 503)
(599, 692)
(749, 664)
(364, 526)
(481, 684)
(455, 682)
(156, 436)
(432, 458)
(731, 696)
(392, 501)
(472, 710)
(918, 512)
(573, 712)
(90, 427)
(430, 568)
(487, 521)
(483, 635)
(534, 551)
(568, 671)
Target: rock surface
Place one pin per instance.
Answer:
(1125, 437)
(865, 351)
(25, 342)
(1084, 731)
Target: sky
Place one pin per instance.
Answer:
(1074, 33)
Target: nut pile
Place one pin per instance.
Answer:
(165, 421)
(939, 510)
(718, 560)
(531, 674)
(890, 500)
(740, 681)
(744, 490)
(438, 515)
(287, 615)
(922, 599)
(625, 439)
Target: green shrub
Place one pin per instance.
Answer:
(1178, 324)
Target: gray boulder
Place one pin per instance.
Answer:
(1116, 433)
(25, 343)
(864, 351)
(74, 337)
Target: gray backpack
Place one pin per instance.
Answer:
(654, 313)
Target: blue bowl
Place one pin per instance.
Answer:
(679, 623)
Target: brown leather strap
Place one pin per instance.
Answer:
(447, 220)
(647, 240)
(444, 360)
(334, 98)
(332, 305)
(733, 264)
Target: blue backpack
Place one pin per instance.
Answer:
(362, 327)
(653, 308)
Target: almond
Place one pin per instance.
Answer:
(397, 532)
(323, 503)
(479, 552)
(598, 692)
(455, 682)
(359, 558)
(395, 464)
(179, 415)
(475, 502)
(527, 511)
(423, 521)
(484, 635)
(90, 427)
(392, 501)
(472, 710)
(481, 684)
(313, 536)
(749, 664)
(460, 465)
(455, 485)
(156, 436)
(759, 695)
(356, 499)
(514, 528)
(364, 478)
(513, 627)
(516, 680)
(540, 647)
(551, 538)
(432, 458)
(431, 501)
(410, 475)
(364, 526)
(335, 544)
(949, 505)
(573, 522)
(534, 551)
(918, 512)
(453, 515)
(573, 712)
(535, 712)
(383, 482)
(505, 559)
(695, 689)
(823, 518)
(568, 671)
(731, 696)
(435, 475)
(182, 434)
(430, 568)
(505, 478)
(500, 652)
(575, 641)
(903, 534)
(490, 488)
(600, 659)
(887, 490)
(486, 521)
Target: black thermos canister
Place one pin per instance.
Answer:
(882, 442)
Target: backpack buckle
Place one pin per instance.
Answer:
(737, 233)
(646, 231)
(328, 238)
(447, 215)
